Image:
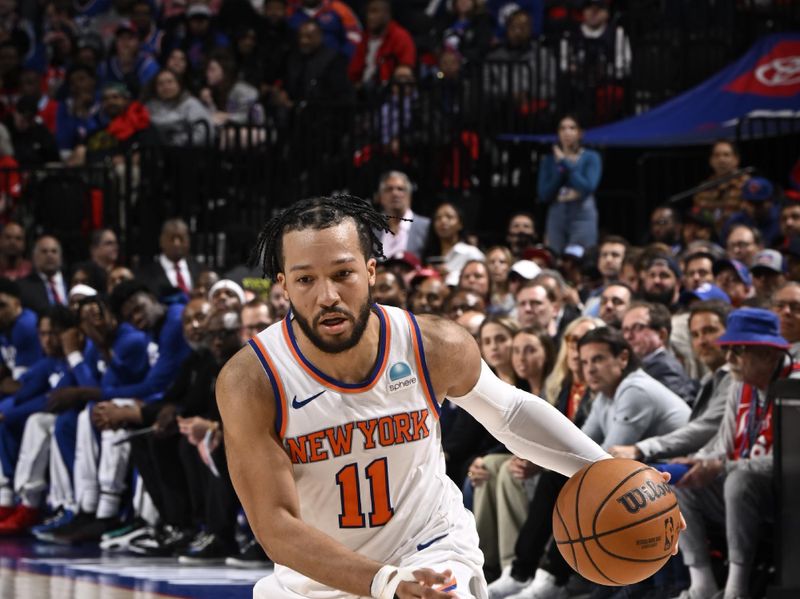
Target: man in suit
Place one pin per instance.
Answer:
(173, 268)
(394, 193)
(647, 328)
(47, 285)
(707, 324)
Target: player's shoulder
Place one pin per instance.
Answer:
(448, 346)
(438, 330)
(243, 376)
(245, 399)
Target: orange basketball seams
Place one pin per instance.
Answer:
(616, 522)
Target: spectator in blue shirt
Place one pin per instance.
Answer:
(49, 372)
(133, 302)
(116, 357)
(568, 180)
(19, 345)
(78, 114)
(129, 372)
(150, 35)
(128, 63)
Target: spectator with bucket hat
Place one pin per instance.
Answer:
(729, 481)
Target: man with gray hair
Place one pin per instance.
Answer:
(567, 299)
(409, 231)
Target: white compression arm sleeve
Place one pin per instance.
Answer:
(529, 426)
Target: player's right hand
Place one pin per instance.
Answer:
(426, 586)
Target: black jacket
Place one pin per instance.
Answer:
(663, 366)
(321, 75)
(154, 276)
(34, 293)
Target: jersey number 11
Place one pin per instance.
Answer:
(347, 478)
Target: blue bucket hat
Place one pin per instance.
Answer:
(753, 326)
(740, 269)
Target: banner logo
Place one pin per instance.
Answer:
(775, 74)
(781, 71)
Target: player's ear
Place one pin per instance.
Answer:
(372, 266)
(280, 279)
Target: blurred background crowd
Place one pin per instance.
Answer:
(143, 144)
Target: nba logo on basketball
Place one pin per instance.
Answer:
(400, 377)
(669, 533)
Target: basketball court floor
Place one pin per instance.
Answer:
(32, 570)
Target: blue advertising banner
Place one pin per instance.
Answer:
(765, 82)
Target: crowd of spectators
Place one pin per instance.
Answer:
(661, 352)
(84, 82)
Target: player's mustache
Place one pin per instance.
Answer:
(329, 311)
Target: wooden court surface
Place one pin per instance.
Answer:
(32, 570)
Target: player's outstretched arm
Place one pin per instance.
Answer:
(529, 426)
(261, 473)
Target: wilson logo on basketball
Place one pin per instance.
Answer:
(650, 492)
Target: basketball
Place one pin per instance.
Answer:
(616, 522)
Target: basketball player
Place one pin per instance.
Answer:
(330, 421)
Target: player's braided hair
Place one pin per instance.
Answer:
(319, 213)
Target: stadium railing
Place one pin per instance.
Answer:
(68, 202)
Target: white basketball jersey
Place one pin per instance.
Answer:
(368, 460)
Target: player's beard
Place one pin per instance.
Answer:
(334, 347)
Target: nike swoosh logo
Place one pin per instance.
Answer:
(422, 546)
(299, 404)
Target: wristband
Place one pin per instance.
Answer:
(387, 579)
